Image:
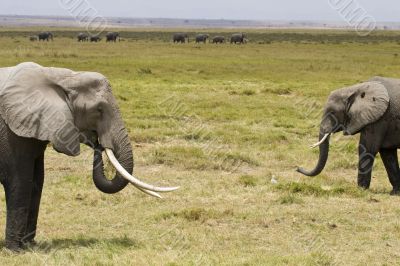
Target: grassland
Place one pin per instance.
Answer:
(222, 121)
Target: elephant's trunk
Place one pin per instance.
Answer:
(123, 152)
(323, 158)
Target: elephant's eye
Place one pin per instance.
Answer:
(100, 109)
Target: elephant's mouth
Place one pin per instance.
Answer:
(327, 135)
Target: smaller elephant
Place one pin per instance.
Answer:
(180, 38)
(45, 36)
(95, 38)
(33, 38)
(202, 38)
(238, 38)
(372, 109)
(113, 36)
(218, 39)
(83, 37)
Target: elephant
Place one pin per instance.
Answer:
(41, 105)
(45, 36)
(372, 109)
(95, 38)
(113, 36)
(33, 38)
(83, 37)
(202, 38)
(180, 38)
(218, 39)
(238, 38)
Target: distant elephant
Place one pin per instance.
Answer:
(112, 37)
(238, 38)
(42, 105)
(33, 38)
(45, 36)
(218, 39)
(95, 38)
(372, 109)
(180, 38)
(202, 38)
(83, 37)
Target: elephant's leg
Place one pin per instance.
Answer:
(38, 178)
(18, 189)
(390, 160)
(368, 148)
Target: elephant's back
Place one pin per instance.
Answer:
(393, 88)
(392, 116)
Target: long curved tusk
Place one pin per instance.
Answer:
(322, 141)
(151, 193)
(136, 182)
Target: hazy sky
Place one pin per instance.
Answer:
(381, 10)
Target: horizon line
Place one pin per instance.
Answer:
(201, 19)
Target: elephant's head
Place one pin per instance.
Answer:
(349, 110)
(67, 108)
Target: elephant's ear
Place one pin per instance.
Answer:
(366, 105)
(34, 104)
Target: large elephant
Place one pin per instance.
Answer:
(238, 38)
(83, 37)
(372, 109)
(113, 36)
(180, 38)
(218, 39)
(202, 38)
(41, 105)
(45, 36)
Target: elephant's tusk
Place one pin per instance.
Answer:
(151, 193)
(136, 182)
(322, 141)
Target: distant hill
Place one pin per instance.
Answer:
(114, 22)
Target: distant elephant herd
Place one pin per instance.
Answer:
(82, 37)
(110, 37)
(237, 38)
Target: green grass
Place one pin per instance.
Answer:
(221, 121)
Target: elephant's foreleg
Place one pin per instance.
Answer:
(18, 189)
(38, 178)
(367, 150)
(390, 160)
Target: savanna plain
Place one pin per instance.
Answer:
(229, 124)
